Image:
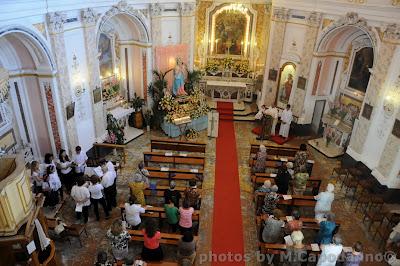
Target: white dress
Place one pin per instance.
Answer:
(324, 203)
(329, 254)
(286, 117)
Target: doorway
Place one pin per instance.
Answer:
(316, 123)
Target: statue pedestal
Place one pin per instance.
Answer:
(173, 131)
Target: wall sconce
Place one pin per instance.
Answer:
(77, 80)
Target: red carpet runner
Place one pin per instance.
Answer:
(227, 238)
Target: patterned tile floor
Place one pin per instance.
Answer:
(352, 227)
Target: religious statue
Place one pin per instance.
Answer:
(287, 87)
(178, 87)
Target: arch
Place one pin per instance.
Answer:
(32, 40)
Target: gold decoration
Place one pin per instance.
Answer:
(396, 2)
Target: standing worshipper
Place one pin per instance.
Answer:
(49, 161)
(192, 195)
(151, 245)
(324, 201)
(296, 254)
(186, 213)
(394, 237)
(300, 182)
(186, 249)
(295, 224)
(36, 178)
(300, 158)
(144, 173)
(132, 213)
(107, 181)
(80, 193)
(119, 238)
(354, 257)
(67, 175)
(330, 252)
(260, 160)
(79, 160)
(282, 179)
(286, 119)
(54, 182)
(171, 194)
(266, 124)
(270, 201)
(137, 189)
(96, 196)
(273, 111)
(172, 213)
(326, 229)
(272, 232)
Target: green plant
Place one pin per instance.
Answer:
(137, 102)
(147, 117)
(156, 90)
(115, 131)
(193, 78)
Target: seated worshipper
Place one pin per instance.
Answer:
(286, 120)
(300, 182)
(80, 193)
(144, 173)
(186, 213)
(300, 159)
(295, 224)
(326, 229)
(36, 177)
(79, 161)
(266, 187)
(132, 213)
(102, 259)
(119, 238)
(296, 254)
(282, 179)
(108, 182)
(260, 160)
(394, 237)
(354, 257)
(172, 195)
(324, 201)
(266, 125)
(172, 213)
(272, 232)
(186, 249)
(330, 252)
(96, 196)
(271, 200)
(192, 195)
(151, 246)
(137, 189)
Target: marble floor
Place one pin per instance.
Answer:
(352, 229)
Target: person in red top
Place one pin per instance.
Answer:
(295, 224)
(185, 221)
(151, 246)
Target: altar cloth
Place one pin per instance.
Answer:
(173, 131)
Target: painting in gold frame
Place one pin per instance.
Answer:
(285, 84)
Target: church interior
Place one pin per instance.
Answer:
(210, 132)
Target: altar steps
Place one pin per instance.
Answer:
(241, 112)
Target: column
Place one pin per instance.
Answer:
(279, 19)
(55, 24)
(156, 12)
(89, 18)
(187, 26)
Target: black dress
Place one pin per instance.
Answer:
(282, 181)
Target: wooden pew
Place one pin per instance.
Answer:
(274, 150)
(158, 212)
(177, 145)
(296, 201)
(259, 179)
(273, 161)
(308, 222)
(266, 248)
(174, 159)
(168, 239)
(175, 173)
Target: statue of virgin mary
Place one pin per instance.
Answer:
(178, 87)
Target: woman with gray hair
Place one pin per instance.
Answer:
(296, 254)
(261, 160)
(270, 201)
(324, 201)
(330, 252)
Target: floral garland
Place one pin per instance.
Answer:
(191, 134)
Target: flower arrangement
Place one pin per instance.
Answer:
(228, 63)
(191, 134)
(111, 88)
(242, 67)
(115, 131)
(212, 65)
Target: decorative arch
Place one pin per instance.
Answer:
(137, 17)
(34, 37)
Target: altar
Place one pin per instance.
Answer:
(174, 131)
(122, 114)
(230, 91)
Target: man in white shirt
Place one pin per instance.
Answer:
(80, 193)
(286, 119)
(132, 214)
(108, 182)
(79, 160)
(96, 196)
(330, 252)
(273, 111)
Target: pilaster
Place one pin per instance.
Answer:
(187, 11)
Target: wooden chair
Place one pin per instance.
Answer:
(373, 216)
(383, 232)
(351, 184)
(76, 230)
(363, 199)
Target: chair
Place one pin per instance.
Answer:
(362, 198)
(373, 216)
(351, 184)
(76, 230)
(383, 232)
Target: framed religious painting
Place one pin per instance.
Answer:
(70, 110)
(285, 84)
(359, 75)
(367, 111)
(272, 74)
(396, 128)
(301, 83)
(105, 59)
(349, 108)
(97, 95)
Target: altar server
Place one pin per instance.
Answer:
(286, 119)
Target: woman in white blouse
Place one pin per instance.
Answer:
(36, 177)
(66, 174)
(49, 161)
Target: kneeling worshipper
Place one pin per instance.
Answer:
(286, 120)
(272, 232)
(260, 160)
(324, 201)
(330, 252)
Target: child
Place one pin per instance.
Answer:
(80, 159)
(54, 182)
(185, 221)
(355, 257)
(36, 179)
(172, 214)
(96, 196)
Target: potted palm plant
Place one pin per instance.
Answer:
(147, 119)
(137, 104)
(193, 78)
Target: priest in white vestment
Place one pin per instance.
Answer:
(273, 111)
(286, 119)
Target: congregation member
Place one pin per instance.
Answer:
(102, 259)
(326, 229)
(296, 254)
(295, 224)
(54, 181)
(51, 196)
(144, 173)
(119, 239)
(265, 188)
(354, 257)
(330, 252)
(394, 237)
(272, 231)
(36, 178)
(81, 195)
(49, 161)
(274, 113)
(270, 201)
(108, 181)
(172, 213)
(171, 194)
(66, 173)
(192, 195)
(186, 249)
(132, 213)
(151, 246)
(260, 160)
(79, 160)
(324, 201)
(286, 120)
(96, 196)
(266, 125)
(186, 217)
(283, 179)
(300, 159)
(137, 188)
(300, 182)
